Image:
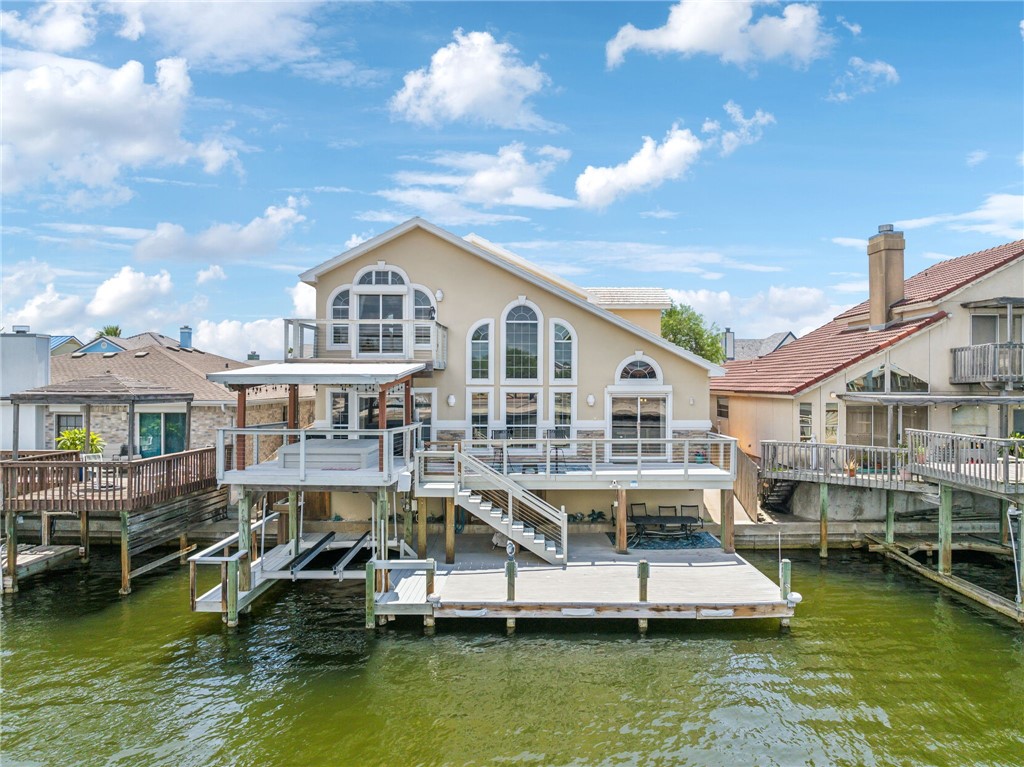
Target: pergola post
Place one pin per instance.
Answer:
(188, 425)
(131, 430)
(87, 422)
(728, 516)
(620, 522)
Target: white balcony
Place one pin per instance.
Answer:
(367, 340)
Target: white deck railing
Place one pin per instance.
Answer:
(986, 463)
(377, 340)
(988, 363)
(856, 465)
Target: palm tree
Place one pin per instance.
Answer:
(114, 331)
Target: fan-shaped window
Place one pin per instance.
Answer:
(521, 343)
(562, 362)
(480, 353)
(638, 370)
(340, 308)
(381, 277)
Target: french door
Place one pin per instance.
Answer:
(394, 416)
(636, 418)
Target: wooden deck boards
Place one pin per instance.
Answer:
(36, 559)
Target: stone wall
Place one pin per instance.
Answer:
(853, 504)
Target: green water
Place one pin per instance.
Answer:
(879, 669)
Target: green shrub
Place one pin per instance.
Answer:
(74, 439)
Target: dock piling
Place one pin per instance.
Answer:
(890, 516)
(232, 613)
(126, 558)
(945, 529)
(823, 500)
(371, 581)
(643, 572)
(10, 582)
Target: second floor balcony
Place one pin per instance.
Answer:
(988, 364)
(377, 340)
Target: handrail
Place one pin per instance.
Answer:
(392, 339)
(821, 462)
(982, 363)
(990, 463)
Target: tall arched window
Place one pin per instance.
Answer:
(340, 307)
(521, 344)
(423, 309)
(562, 363)
(480, 353)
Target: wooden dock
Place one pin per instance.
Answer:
(31, 560)
(595, 583)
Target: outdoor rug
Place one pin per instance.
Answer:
(699, 540)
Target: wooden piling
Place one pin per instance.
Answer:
(371, 580)
(890, 516)
(945, 529)
(83, 534)
(420, 507)
(126, 558)
(510, 626)
(10, 582)
(823, 534)
(429, 578)
(44, 528)
(407, 523)
(293, 521)
(183, 548)
(641, 624)
(1020, 557)
(244, 525)
(785, 578)
(449, 531)
(643, 572)
(232, 611)
(1004, 527)
(728, 508)
(620, 522)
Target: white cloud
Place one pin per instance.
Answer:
(976, 157)
(1022, 28)
(650, 167)
(234, 338)
(210, 273)
(658, 213)
(779, 308)
(357, 239)
(474, 78)
(727, 30)
(233, 37)
(75, 123)
(303, 300)
(260, 237)
(48, 312)
(468, 184)
(859, 286)
(851, 27)
(850, 242)
(862, 77)
(126, 291)
(1001, 215)
(53, 26)
(747, 130)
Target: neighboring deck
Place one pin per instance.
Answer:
(596, 583)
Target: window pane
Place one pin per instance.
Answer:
(638, 370)
(369, 337)
(902, 381)
(480, 367)
(339, 334)
(723, 407)
(984, 329)
(873, 380)
(392, 307)
(423, 335)
(806, 421)
(831, 422)
(423, 406)
(369, 307)
(391, 338)
(423, 307)
(521, 415)
(479, 416)
(339, 411)
(563, 408)
(521, 343)
(563, 353)
(366, 279)
(340, 307)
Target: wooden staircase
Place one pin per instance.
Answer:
(776, 495)
(510, 509)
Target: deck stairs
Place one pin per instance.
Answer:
(510, 509)
(776, 495)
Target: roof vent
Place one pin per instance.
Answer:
(886, 228)
(141, 354)
(108, 355)
(76, 355)
(20, 329)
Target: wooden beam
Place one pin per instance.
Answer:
(188, 425)
(240, 423)
(620, 522)
(370, 595)
(131, 431)
(87, 421)
(293, 521)
(728, 521)
(945, 565)
(421, 527)
(407, 522)
(1004, 527)
(449, 531)
(126, 558)
(83, 524)
(823, 528)
(408, 403)
(10, 578)
(16, 414)
(244, 539)
(890, 516)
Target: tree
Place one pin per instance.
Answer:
(685, 327)
(74, 439)
(113, 331)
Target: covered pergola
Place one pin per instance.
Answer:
(375, 377)
(104, 389)
(899, 400)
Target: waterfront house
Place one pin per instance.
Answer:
(751, 348)
(461, 384)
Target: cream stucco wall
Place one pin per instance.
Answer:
(648, 319)
(475, 290)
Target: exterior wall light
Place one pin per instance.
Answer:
(591, 399)
(451, 400)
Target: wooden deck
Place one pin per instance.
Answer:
(36, 559)
(596, 583)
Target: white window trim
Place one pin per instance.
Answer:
(377, 267)
(506, 390)
(1000, 326)
(572, 409)
(574, 359)
(412, 315)
(491, 422)
(432, 391)
(331, 322)
(639, 356)
(639, 391)
(331, 394)
(470, 381)
(522, 301)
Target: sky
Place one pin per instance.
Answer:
(172, 163)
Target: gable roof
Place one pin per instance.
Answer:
(945, 277)
(749, 348)
(104, 388)
(631, 298)
(816, 356)
(56, 341)
(562, 288)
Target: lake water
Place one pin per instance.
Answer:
(880, 668)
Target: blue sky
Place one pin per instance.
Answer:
(170, 163)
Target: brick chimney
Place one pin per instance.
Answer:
(885, 274)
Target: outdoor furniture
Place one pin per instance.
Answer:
(641, 521)
(689, 518)
(561, 434)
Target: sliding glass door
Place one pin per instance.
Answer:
(638, 418)
(161, 433)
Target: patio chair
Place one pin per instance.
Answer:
(690, 517)
(558, 441)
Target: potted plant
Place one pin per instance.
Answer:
(920, 453)
(74, 439)
(852, 467)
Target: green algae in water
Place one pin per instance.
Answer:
(879, 669)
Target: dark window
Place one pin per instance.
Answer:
(521, 344)
(638, 370)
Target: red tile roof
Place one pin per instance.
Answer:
(814, 357)
(943, 278)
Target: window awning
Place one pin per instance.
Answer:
(924, 398)
(330, 373)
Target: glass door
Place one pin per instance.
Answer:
(377, 336)
(149, 434)
(161, 433)
(423, 410)
(637, 418)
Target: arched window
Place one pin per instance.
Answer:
(562, 363)
(423, 309)
(638, 370)
(381, 277)
(340, 310)
(521, 344)
(480, 352)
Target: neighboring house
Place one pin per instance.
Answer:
(160, 427)
(106, 344)
(24, 364)
(941, 350)
(64, 345)
(751, 348)
(641, 306)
